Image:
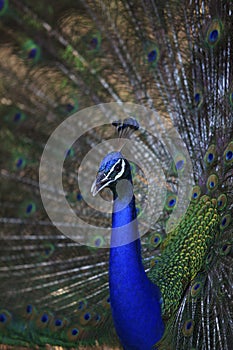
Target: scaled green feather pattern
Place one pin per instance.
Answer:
(184, 252)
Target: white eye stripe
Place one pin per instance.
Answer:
(105, 185)
(117, 176)
(112, 169)
(122, 169)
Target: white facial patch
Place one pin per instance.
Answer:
(122, 169)
(112, 168)
(122, 163)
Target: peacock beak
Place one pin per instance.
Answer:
(94, 189)
(100, 182)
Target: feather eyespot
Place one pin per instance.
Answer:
(5, 318)
(155, 240)
(171, 202)
(44, 318)
(58, 324)
(226, 249)
(97, 241)
(228, 154)
(27, 208)
(179, 163)
(222, 201)
(152, 54)
(18, 117)
(97, 317)
(188, 327)
(92, 42)
(198, 98)
(31, 51)
(196, 193)
(29, 311)
(15, 117)
(196, 289)
(155, 261)
(47, 250)
(87, 316)
(71, 105)
(225, 221)
(210, 156)
(74, 332)
(212, 182)
(214, 33)
(82, 304)
(19, 163)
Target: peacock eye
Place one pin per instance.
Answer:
(117, 167)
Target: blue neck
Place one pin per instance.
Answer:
(135, 300)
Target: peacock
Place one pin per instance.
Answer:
(116, 174)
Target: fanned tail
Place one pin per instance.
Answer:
(59, 58)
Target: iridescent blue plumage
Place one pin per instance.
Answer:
(133, 295)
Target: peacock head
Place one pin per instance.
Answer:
(113, 168)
